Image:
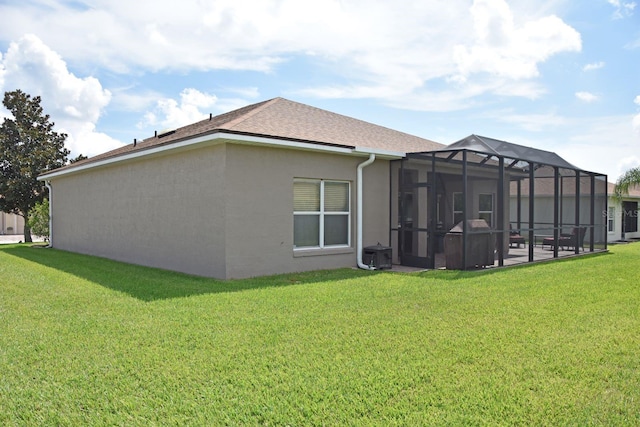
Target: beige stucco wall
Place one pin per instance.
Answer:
(223, 211)
(165, 212)
(260, 208)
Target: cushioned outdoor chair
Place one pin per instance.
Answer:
(515, 238)
(568, 241)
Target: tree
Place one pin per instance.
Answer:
(39, 219)
(77, 159)
(628, 180)
(28, 146)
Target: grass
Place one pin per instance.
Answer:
(88, 341)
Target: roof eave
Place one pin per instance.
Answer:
(220, 137)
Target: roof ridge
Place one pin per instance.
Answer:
(355, 119)
(485, 143)
(259, 107)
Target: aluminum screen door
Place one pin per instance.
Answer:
(413, 230)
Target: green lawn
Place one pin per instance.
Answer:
(87, 341)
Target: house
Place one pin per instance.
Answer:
(280, 186)
(269, 188)
(11, 223)
(560, 198)
(622, 215)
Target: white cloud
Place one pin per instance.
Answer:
(532, 122)
(2, 72)
(504, 49)
(586, 97)
(611, 134)
(593, 66)
(74, 104)
(636, 118)
(635, 44)
(384, 51)
(622, 8)
(169, 113)
(245, 92)
(127, 100)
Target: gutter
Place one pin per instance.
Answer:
(371, 159)
(48, 184)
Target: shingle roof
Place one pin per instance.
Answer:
(288, 120)
(544, 186)
(633, 191)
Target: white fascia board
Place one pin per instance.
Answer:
(212, 139)
(380, 153)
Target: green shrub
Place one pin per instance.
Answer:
(39, 219)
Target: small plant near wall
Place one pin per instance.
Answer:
(39, 219)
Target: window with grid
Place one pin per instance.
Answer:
(321, 213)
(485, 208)
(611, 219)
(458, 208)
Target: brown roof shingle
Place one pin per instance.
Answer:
(288, 120)
(633, 191)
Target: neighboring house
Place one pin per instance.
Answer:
(545, 202)
(278, 187)
(11, 223)
(622, 216)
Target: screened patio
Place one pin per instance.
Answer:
(482, 202)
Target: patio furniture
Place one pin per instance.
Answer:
(568, 240)
(538, 239)
(515, 238)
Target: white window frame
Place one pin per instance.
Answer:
(453, 207)
(491, 212)
(611, 219)
(321, 214)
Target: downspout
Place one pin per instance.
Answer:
(371, 159)
(48, 184)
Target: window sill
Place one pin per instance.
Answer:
(299, 253)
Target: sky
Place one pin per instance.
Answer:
(558, 75)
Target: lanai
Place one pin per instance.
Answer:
(510, 186)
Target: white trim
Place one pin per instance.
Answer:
(611, 218)
(321, 214)
(48, 184)
(453, 206)
(221, 137)
(361, 264)
(492, 211)
(387, 154)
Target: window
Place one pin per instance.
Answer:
(611, 219)
(458, 208)
(321, 213)
(485, 208)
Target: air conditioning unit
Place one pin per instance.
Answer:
(377, 256)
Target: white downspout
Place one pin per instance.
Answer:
(48, 184)
(361, 166)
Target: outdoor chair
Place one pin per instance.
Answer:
(515, 238)
(568, 240)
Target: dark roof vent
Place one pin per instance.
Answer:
(167, 132)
